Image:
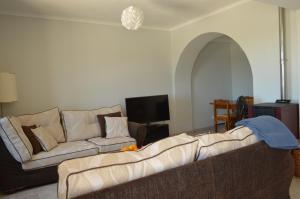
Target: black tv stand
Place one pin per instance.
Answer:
(156, 132)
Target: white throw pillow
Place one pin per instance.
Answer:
(45, 138)
(15, 139)
(83, 124)
(49, 119)
(116, 127)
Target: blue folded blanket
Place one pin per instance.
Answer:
(272, 131)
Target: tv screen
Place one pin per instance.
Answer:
(148, 109)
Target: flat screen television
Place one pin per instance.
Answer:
(148, 109)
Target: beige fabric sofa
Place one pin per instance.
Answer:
(79, 136)
(77, 133)
(86, 175)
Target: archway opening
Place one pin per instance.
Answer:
(209, 63)
(221, 71)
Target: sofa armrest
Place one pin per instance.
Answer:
(13, 178)
(138, 132)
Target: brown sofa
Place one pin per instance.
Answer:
(253, 172)
(13, 178)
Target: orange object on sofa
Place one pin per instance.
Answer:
(130, 148)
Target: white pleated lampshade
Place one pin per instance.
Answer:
(8, 88)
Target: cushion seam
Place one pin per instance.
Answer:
(221, 141)
(62, 154)
(38, 112)
(237, 129)
(56, 164)
(110, 144)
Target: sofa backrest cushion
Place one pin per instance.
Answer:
(49, 119)
(15, 139)
(244, 134)
(218, 143)
(85, 175)
(83, 124)
(165, 144)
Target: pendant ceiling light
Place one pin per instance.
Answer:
(132, 18)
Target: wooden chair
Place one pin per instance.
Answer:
(228, 117)
(243, 104)
(249, 100)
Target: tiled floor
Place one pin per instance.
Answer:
(43, 192)
(295, 189)
(50, 192)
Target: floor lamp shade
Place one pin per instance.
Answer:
(8, 88)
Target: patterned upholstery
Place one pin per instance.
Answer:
(84, 175)
(218, 143)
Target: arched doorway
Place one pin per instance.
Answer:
(183, 105)
(221, 71)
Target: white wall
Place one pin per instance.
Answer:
(241, 74)
(81, 65)
(254, 26)
(211, 79)
(182, 83)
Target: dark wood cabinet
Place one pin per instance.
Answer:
(287, 113)
(156, 132)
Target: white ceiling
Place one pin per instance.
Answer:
(161, 14)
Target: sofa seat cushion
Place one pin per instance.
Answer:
(112, 144)
(63, 151)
